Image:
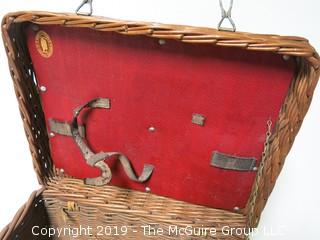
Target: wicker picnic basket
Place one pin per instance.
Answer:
(120, 208)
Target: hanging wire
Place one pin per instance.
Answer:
(226, 14)
(85, 2)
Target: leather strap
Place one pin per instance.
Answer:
(224, 161)
(64, 128)
(98, 159)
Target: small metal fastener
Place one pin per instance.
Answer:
(35, 27)
(43, 89)
(51, 134)
(152, 129)
(286, 57)
(198, 119)
(148, 189)
(162, 41)
(62, 170)
(236, 209)
(255, 169)
(72, 206)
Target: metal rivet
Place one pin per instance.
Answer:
(35, 27)
(62, 170)
(148, 189)
(236, 209)
(51, 134)
(255, 169)
(198, 119)
(43, 88)
(286, 57)
(162, 41)
(152, 129)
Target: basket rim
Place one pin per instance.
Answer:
(284, 45)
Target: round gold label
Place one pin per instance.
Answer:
(44, 44)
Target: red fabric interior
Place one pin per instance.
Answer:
(162, 86)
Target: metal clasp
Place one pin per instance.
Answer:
(226, 14)
(84, 2)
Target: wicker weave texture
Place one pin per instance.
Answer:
(30, 214)
(286, 128)
(113, 206)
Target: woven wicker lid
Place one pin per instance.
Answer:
(288, 122)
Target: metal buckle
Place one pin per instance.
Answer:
(81, 6)
(226, 14)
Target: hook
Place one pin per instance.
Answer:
(84, 2)
(226, 14)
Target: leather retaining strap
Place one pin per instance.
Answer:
(224, 161)
(64, 128)
(98, 159)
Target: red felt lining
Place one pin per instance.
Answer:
(162, 86)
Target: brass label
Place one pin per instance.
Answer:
(44, 44)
